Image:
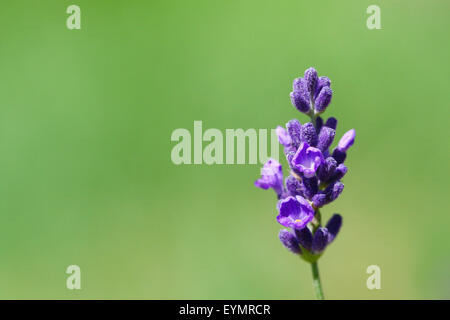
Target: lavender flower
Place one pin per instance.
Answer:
(315, 174)
(307, 159)
(295, 212)
(271, 177)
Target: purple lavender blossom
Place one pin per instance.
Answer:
(271, 177)
(307, 160)
(315, 173)
(283, 137)
(295, 212)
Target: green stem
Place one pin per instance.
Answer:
(316, 281)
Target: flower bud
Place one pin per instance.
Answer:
(294, 129)
(331, 123)
(320, 240)
(304, 237)
(311, 79)
(293, 186)
(340, 172)
(323, 99)
(347, 140)
(333, 226)
(322, 82)
(319, 200)
(327, 169)
(336, 190)
(310, 187)
(339, 156)
(325, 139)
(289, 241)
(308, 134)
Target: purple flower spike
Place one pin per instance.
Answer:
(323, 99)
(271, 177)
(331, 123)
(294, 129)
(326, 137)
(304, 237)
(320, 240)
(333, 226)
(295, 212)
(308, 134)
(311, 79)
(307, 159)
(346, 141)
(322, 82)
(289, 241)
(283, 136)
(298, 100)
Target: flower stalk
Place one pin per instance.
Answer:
(316, 281)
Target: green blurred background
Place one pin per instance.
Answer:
(85, 123)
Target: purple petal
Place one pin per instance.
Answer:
(295, 212)
(271, 177)
(346, 141)
(307, 159)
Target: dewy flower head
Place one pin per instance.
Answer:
(271, 177)
(307, 159)
(295, 212)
